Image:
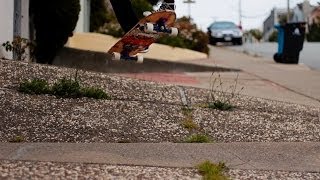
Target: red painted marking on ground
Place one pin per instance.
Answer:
(163, 77)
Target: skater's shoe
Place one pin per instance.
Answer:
(167, 6)
(163, 7)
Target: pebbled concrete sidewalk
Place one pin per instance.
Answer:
(249, 156)
(288, 83)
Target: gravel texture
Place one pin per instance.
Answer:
(274, 175)
(140, 111)
(49, 170)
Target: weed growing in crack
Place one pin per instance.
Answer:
(221, 97)
(188, 122)
(198, 138)
(211, 171)
(187, 111)
(17, 139)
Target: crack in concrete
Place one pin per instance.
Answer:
(18, 154)
(183, 96)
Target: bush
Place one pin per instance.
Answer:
(67, 88)
(314, 33)
(256, 33)
(99, 15)
(95, 93)
(35, 86)
(140, 6)
(274, 37)
(112, 29)
(54, 22)
(189, 37)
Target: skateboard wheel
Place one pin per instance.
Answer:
(148, 28)
(147, 13)
(139, 59)
(174, 32)
(116, 56)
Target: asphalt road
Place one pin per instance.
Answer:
(310, 55)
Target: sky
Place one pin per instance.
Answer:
(204, 12)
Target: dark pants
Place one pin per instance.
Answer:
(125, 14)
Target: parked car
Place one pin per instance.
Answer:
(225, 31)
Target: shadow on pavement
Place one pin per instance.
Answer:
(101, 62)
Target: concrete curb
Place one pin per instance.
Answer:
(303, 157)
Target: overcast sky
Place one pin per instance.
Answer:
(204, 12)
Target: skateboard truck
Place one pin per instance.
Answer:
(125, 57)
(160, 27)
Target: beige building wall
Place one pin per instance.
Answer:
(6, 28)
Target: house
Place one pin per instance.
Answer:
(278, 15)
(315, 15)
(274, 18)
(15, 21)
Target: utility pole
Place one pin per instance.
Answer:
(189, 2)
(240, 13)
(17, 25)
(288, 11)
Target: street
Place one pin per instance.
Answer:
(308, 56)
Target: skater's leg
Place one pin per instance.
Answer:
(125, 14)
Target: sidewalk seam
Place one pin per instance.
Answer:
(280, 85)
(183, 96)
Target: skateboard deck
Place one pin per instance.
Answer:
(143, 34)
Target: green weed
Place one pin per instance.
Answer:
(35, 86)
(95, 93)
(66, 88)
(211, 171)
(17, 139)
(189, 124)
(220, 96)
(198, 138)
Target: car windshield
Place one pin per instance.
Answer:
(223, 25)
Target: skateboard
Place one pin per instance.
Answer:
(143, 34)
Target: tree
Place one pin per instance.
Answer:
(189, 37)
(314, 32)
(140, 6)
(54, 22)
(274, 37)
(256, 33)
(99, 14)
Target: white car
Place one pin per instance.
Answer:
(225, 31)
